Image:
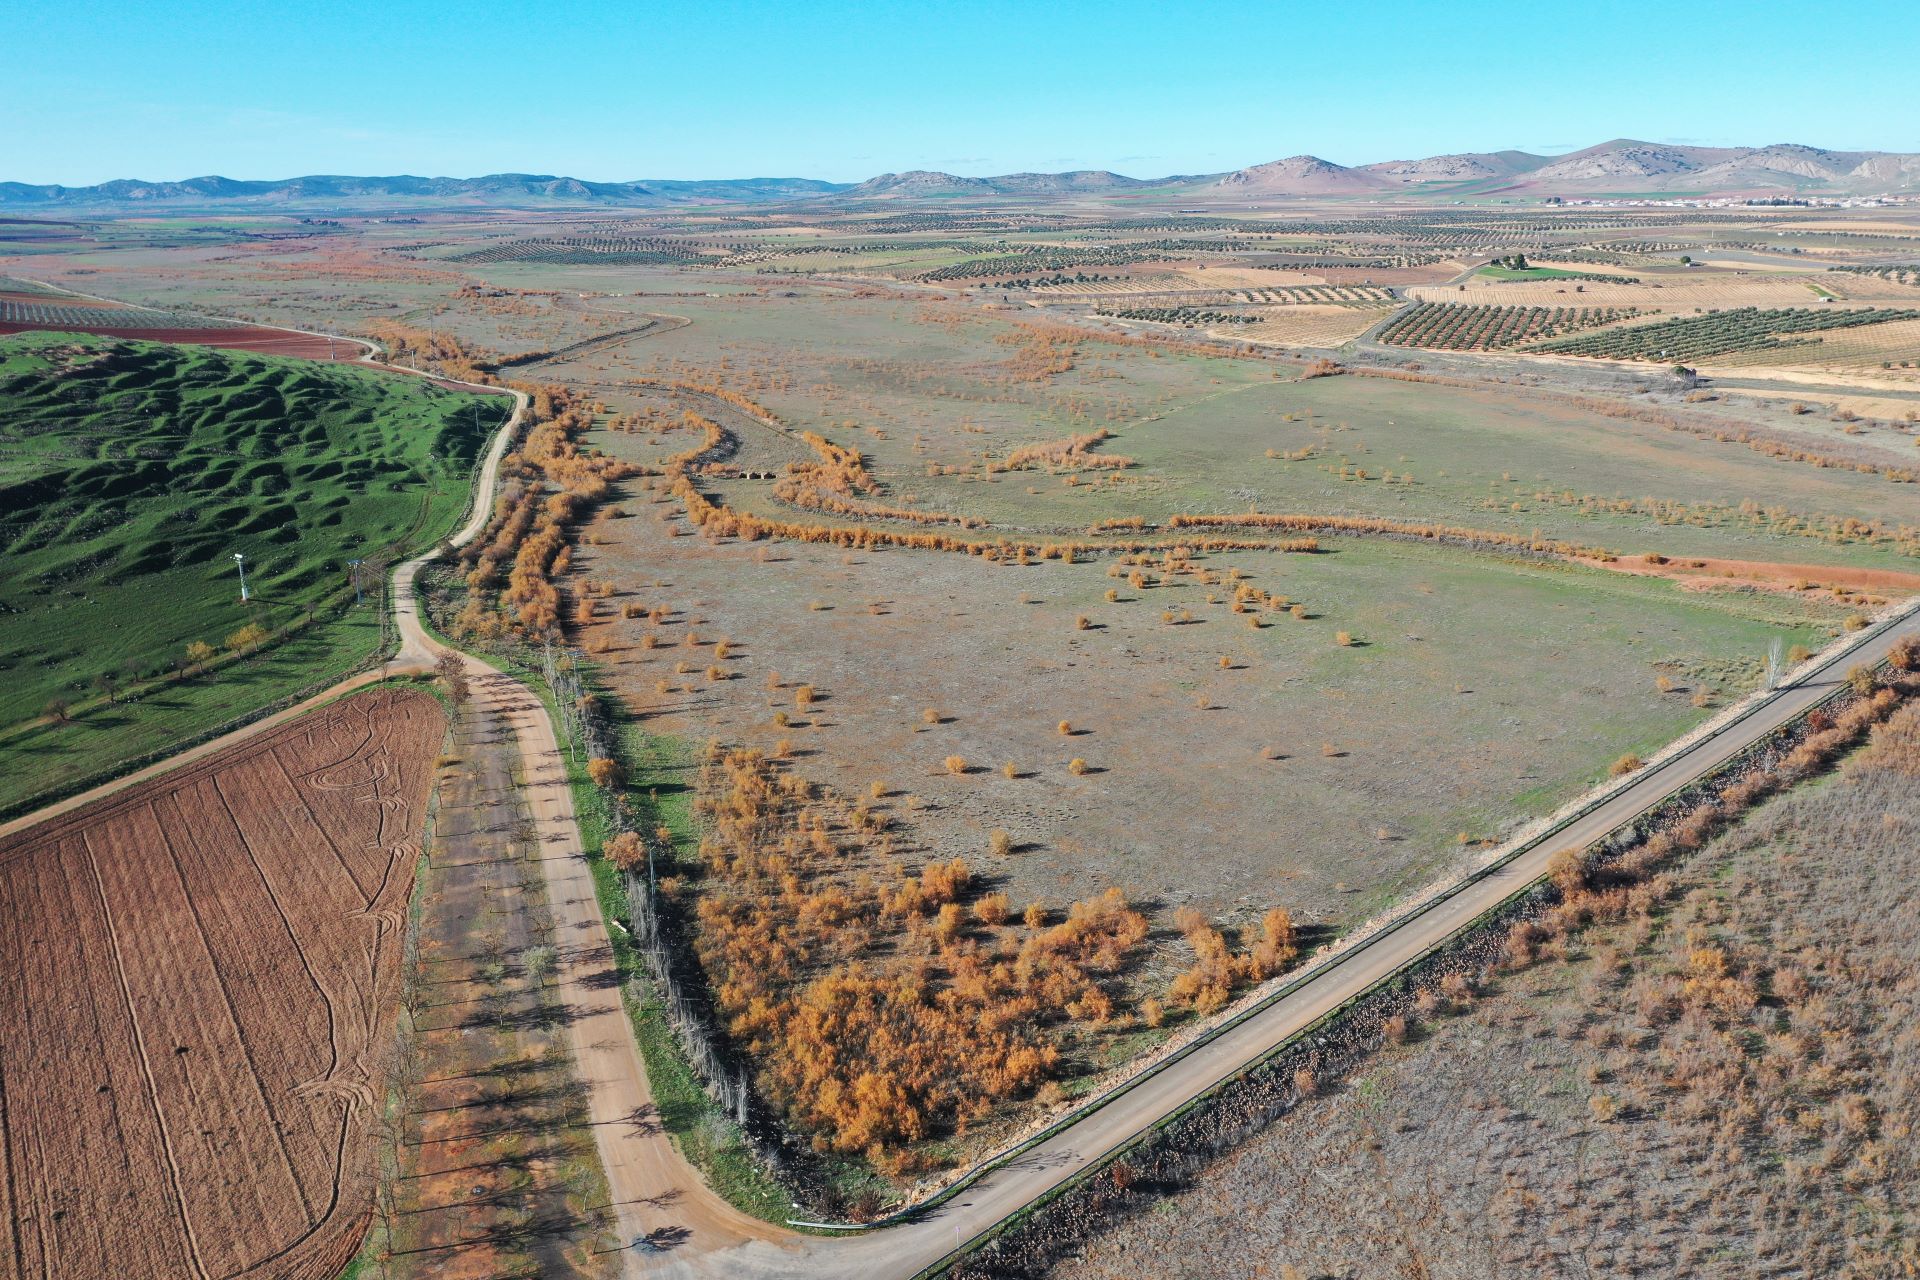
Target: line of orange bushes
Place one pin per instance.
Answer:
(1074, 451)
(548, 485)
(1392, 528)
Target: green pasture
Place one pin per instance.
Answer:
(130, 474)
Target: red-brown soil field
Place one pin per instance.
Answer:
(202, 974)
(266, 342)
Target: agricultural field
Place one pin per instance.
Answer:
(129, 475)
(1461, 328)
(1701, 339)
(225, 941)
(1712, 1082)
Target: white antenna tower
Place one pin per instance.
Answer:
(240, 562)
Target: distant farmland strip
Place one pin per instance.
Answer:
(1446, 326)
(1718, 334)
(61, 314)
(587, 250)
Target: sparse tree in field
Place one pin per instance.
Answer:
(947, 923)
(1035, 916)
(956, 765)
(930, 716)
(1010, 770)
(605, 773)
(1277, 948)
(1862, 680)
(452, 673)
(249, 638)
(540, 963)
(1000, 843)
(58, 710)
(803, 696)
(1066, 729)
(200, 653)
(1077, 766)
(1625, 765)
(1343, 638)
(991, 909)
(626, 850)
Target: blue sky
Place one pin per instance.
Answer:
(724, 88)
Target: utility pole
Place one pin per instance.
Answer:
(240, 562)
(353, 566)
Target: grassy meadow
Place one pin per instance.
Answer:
(130, 473)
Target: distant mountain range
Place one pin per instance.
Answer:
(510, 189)
(1621, 167)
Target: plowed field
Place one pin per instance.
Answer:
(201, 975)
(268, 342)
